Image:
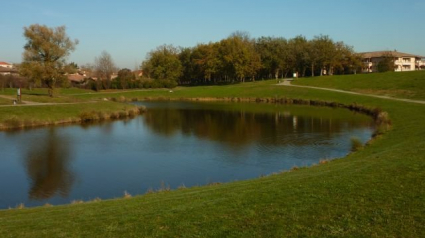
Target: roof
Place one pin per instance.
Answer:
(377, 54)
(75, 77)
(4, 63)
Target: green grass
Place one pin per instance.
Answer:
(4, 101)
(378, 191)
(53, 114)
(410, 85)
(40, 95)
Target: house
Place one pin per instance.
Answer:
(138, 73)
(76, 78)
(402, 61)
(422, 64)
(7, 69)
(6, 65)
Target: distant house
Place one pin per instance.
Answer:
(138, 73)
(422, 64)
(6, 65)
(402, 61)
(7, 69)
(76, 78)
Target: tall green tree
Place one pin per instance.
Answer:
(45, 54)
(125, 76)
(386, 63)
(163, 63)
(185, 57)
(205, 60)
(299, 49)
(238, 57)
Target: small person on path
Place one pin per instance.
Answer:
(19, 95)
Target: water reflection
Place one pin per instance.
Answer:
(48, 167)
(240, 128)
(178, 143)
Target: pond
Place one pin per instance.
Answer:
(173, 144)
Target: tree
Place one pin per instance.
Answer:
(387, 63)
(104, 67)
(125, 76)
(205, 60)
(45, 54)
(238, 57)
(298, 48)
(163, 63)
(185, 58)
(274, 55)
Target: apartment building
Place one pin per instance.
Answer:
(402, 61)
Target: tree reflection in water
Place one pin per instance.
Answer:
(48, 167)
(240, 128)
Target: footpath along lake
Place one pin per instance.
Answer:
(171, 145)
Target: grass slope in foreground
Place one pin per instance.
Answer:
(376, 192)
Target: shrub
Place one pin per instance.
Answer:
(13, 122)
(122, 114)
(89, 116)
(142, 109)
(356, 144)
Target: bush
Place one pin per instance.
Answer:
(89, 116)
(356, 144)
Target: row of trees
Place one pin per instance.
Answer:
(235, 59)
(239, 58)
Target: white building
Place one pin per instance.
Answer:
(402, 61)
(6, 65)
(422, 64)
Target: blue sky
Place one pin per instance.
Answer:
(128, 29)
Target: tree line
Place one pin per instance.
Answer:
(240, 58)
(237, 58)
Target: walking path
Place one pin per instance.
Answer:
(288, 83)
(30, 103)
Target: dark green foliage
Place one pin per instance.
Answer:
(239, 58)
(124, 79)
(386, 64)
(163, 63)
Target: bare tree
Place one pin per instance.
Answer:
(104, 68)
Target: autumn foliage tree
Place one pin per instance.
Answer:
(163, 63)
(45, 54)
(239, 58)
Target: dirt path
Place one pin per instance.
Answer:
(12, 98)
(288, 83)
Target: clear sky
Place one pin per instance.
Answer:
(128, 29)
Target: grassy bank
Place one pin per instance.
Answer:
(408, 85)
(29, 116)
(378, 191)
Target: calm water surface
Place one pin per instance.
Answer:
(174, 143)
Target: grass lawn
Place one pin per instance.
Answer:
(378, 191)
(5, 101)
(408, 85)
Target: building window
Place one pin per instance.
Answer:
(406, 60)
